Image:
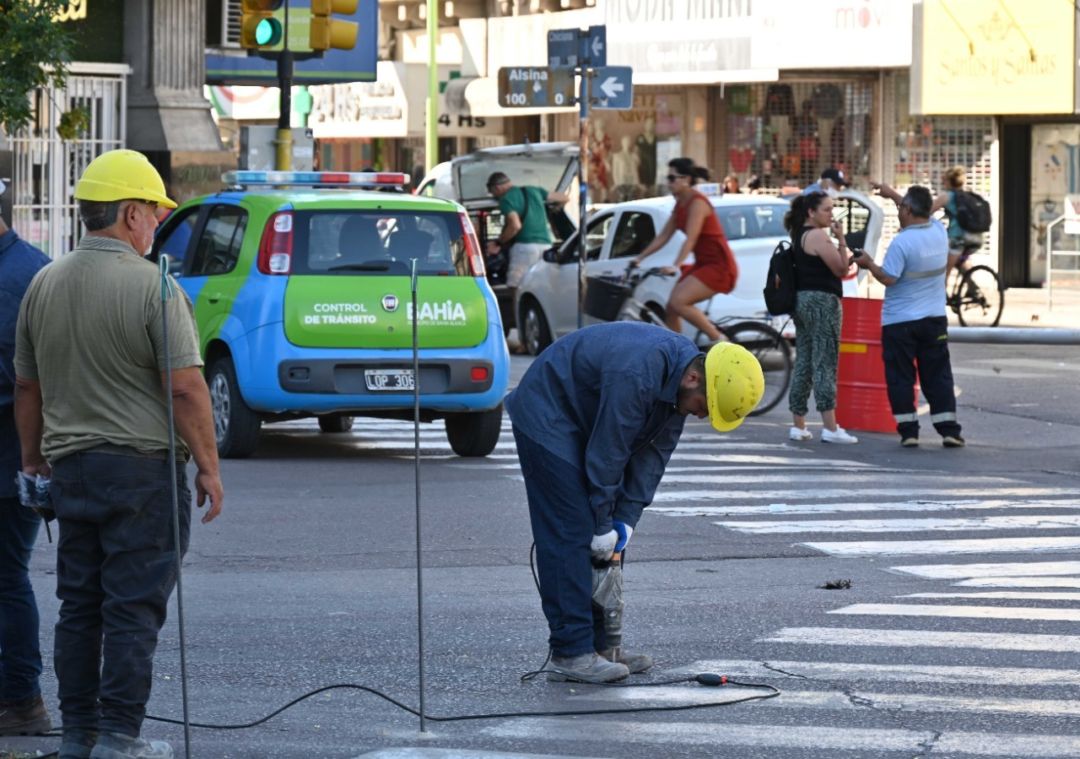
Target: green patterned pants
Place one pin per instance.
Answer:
(817, 351)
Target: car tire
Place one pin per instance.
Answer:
(236, 426)
(474, 434)
(336, 423)
(534, 332)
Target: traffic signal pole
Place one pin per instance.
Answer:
(583, 186)
(283, 143)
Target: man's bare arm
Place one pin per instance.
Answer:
(195, 424)
(30, 424)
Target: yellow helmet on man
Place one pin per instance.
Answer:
(734, 384)
(122, 175)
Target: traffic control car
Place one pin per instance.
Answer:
(302, 288)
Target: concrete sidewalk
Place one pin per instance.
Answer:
(1029, 307)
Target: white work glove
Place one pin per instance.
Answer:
(603, 546)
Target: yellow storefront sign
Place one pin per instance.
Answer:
(1003, 57)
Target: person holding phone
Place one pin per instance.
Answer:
(819, 266)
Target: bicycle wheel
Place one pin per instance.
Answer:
(772, 352)
(979, 298)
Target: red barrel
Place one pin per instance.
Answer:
(862, 402)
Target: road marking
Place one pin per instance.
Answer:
(714, 734)
(1004, 595)
(838, 508)
(1020, 582)
(847, 636)
(723, 494)
(1033, 613)
(695, 476)
(923, 547)
(914, 673)
(1004, 569)
(1058, 522)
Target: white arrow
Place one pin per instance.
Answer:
(537, 87)
(597, 48)
(612, 87)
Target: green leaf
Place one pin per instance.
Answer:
(34, 53)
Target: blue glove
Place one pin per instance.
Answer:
(624, 531)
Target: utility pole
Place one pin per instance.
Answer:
(283, 160)
(431, 134)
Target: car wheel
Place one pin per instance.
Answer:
(474, 434)
(335, 423)
(236, 427)
(535, 332)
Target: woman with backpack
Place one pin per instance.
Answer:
(962, 242)
(819, 266)
(714, 269)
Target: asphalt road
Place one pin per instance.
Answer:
(958, 636)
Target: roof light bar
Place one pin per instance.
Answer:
(246, 178)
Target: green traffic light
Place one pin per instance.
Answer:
(268, 32)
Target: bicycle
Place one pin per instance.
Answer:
(975, 296)
(767, 344)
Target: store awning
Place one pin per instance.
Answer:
(479, 96)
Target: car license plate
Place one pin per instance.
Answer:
(388, 379)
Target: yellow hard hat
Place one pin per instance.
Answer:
(734, 385)
(122, 175)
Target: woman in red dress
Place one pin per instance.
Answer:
(714, 269)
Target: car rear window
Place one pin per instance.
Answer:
(752, 221)
(378, 243)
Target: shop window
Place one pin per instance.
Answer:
(786, 133)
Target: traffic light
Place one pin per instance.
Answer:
(259, 28)
(326, 32)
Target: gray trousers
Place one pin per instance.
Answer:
(817, 351)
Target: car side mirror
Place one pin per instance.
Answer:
(551, 255)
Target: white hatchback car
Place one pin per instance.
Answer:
(546, 305)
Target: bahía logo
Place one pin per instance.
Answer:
(390, 303)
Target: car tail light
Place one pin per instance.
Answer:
(275, 250)
(479, 374)
(472, 247)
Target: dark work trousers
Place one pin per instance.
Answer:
(20, 654)
(562, 526)
(116, 567)
(922, 343)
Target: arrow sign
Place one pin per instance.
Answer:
(596, 46)
(613, 88)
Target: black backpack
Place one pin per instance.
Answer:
(780, 284)
(972, 211)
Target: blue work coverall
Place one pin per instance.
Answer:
(20, 653)
(595, 422)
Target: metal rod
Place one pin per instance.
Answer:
(166, 293)
(416, 459)
(583, 187)
(1015, 335)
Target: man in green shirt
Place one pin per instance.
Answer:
(525, 223)
(90, 407)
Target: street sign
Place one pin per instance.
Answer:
(563, 48)
(595, 53)
(613, 88)
(535, 87)
(573, 48)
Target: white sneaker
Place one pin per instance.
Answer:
(800, 434)
(839, 436)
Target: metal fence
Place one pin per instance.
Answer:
(46, 168)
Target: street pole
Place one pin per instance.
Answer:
(431, 135)
(583, 185)
(285, 77)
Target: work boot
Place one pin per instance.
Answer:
(77, 744)
(27, 716)
(585, 668)
(636, 663)
(118, 746)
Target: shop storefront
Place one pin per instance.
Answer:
(997, 95)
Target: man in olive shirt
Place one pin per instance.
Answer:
(91, 410)
(525, 223)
